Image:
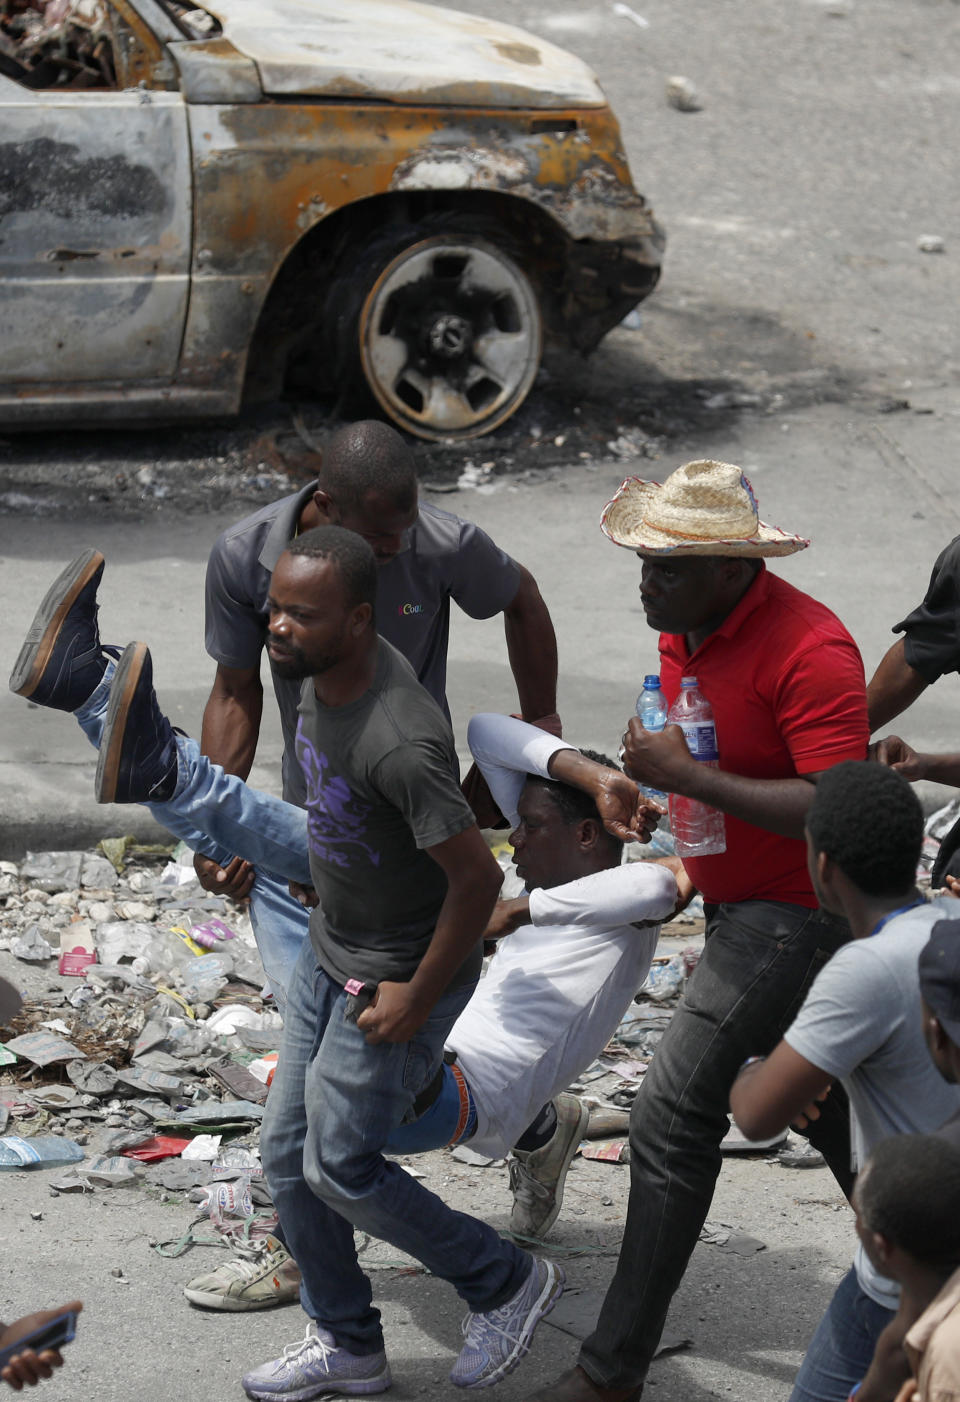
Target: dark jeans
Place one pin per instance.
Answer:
(758, 963)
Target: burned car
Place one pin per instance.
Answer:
(203, 206)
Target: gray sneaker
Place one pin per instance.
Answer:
(264, 1274)
(495, 1342)
(315, 1367)
(537, 1176)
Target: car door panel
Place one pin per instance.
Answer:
(95, 235)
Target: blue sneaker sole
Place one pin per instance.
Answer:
(122, 691)
(552, 1290)
(44, 631)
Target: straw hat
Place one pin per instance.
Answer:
(704, 508)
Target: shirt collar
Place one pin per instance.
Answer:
(285, 525)
(933, 1316)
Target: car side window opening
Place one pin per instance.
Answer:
(63, 45)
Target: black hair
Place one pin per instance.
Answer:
(573, 804)
(910, 1194)
(368, 456)
(355, 561)
(868, 820)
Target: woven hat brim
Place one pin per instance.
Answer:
(623, 523)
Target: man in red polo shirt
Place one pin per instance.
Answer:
(786, 684)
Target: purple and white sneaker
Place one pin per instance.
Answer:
(316, 1367)
(495, 1342)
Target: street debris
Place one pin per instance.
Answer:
(607, 1153)
(730, 1239)
(628, 13)
(682, 95)
(931, 243)
(130, 1070)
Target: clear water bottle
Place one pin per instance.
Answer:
(652, 710)
(41, 1151)
(698, 829)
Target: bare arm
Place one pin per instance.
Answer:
(231, 719)
(894, 686)
(662, 760)
(769, 1095)
(626, 814)
(473, 881)
(532, 649)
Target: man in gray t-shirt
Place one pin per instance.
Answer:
(425, 558)
(860, 1024)
(406, 886)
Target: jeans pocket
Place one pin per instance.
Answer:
(420, 1065)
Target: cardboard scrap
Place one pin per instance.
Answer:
(575, 1313)
(617, 1152)
(239, 1081)
(45, 1048)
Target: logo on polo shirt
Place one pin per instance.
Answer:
(405, 609)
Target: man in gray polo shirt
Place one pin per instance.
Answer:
(367, 483)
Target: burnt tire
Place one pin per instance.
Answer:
(439, 323)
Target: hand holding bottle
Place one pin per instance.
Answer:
(659, 759)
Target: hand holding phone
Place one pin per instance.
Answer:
(29, 1348)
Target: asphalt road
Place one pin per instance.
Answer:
(794, 290)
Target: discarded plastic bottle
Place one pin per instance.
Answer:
(43, 1151)
(698, 829)
(652, 710)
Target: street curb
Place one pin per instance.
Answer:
(75, 831)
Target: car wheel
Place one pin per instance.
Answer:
(445, 330)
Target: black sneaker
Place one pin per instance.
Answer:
(138, 748)
(61, 662)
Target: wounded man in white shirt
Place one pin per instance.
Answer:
(572, 952)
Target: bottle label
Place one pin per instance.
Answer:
(23, 1149)
(701, 741)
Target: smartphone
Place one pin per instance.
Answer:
(58, 1332)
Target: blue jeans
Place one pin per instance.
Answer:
(334, 1103)
(217, 814)
(759, 960)
(840, 1352)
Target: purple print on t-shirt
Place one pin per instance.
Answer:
(335, 816)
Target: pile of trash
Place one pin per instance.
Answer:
(57, 43)
(148, 1061)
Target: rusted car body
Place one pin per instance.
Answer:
(324, 194)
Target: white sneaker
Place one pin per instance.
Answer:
(495, 1342)
(537, 1176)
(265, 1274)
(315, 1367)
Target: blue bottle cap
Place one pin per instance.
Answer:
(651, 682)
(688, 681)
